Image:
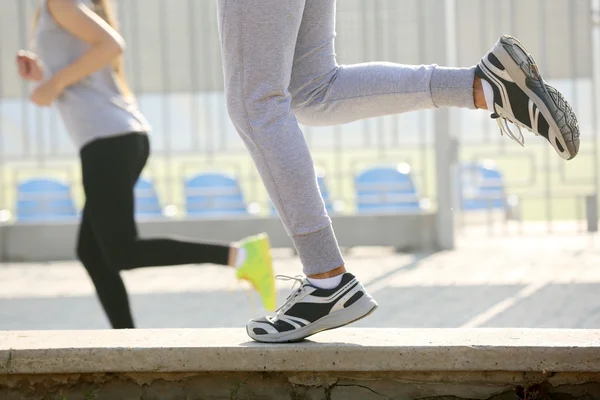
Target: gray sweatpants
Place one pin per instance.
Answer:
(280, 68)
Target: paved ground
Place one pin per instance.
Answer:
(488, 282)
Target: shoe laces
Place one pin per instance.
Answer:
(505, 129)
(292, 296)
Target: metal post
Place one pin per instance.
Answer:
(591, 212)
(3, 183)
(2, 235)
(595, 5)
(446, 146)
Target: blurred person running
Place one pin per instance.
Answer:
(79, 69)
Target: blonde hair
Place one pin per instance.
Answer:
(104, 9)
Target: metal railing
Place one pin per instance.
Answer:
(173, 63)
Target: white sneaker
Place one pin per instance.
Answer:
(309, 310)
(522, 97)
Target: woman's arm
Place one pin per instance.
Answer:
(106, 43)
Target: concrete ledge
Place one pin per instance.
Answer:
(56, 241)
(191, 350)
(365, 364)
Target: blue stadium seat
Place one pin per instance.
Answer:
(214, 195)
(147, 204)
(386, 190)
(44, 200)
(482, 187)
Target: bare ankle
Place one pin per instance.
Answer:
(329, 274)
(478, 95)
(233, 254)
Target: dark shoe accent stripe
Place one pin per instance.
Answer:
(259, 331)
(310, 311)
(543, 126)
(519, 101)
(495, 62)
(353, 299)
(280, 325)
(315, 311)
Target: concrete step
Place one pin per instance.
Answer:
(345, 363)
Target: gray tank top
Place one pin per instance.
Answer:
(93, 108)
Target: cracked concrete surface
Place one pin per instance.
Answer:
(322, 386)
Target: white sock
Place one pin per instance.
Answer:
(326, 283)
(488, 92)
(241, 257)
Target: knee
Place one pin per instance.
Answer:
(312, 103)
(312, 114)
(122, 255)
(117, 256)
(263, 106)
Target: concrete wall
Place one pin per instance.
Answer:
(345, 364)
(302, 386)
(53, 242)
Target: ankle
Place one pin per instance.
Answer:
(478, 94)
(233, 255)
(334, 272)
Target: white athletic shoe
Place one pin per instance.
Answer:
(522, 97)
(309, 310)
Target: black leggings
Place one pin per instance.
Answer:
(108, 238)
